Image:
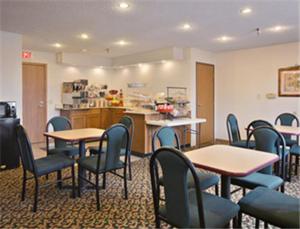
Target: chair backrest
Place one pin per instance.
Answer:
(25, 149)
(268, 139)
(114, 137)
(233, 129)
(128, 122)
(175, 166)
(166, 137)
(257, 123)
(58, 123)
(287, 119)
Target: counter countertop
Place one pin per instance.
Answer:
(175, 122)
(141, 112)
(87, 108)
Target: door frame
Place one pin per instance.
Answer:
(203, 63)
(46, 87)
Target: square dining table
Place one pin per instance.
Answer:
(291, 130)
(77, 135)
(230, 161)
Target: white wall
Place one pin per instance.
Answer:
(244, 77)
(11, 69)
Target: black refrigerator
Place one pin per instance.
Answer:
(9, 151)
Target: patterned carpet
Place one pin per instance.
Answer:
(57, 210)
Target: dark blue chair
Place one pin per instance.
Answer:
(288, 119)
(117, 137)
(267, 139)
(184, 207)
(234, 133)
(60, 123)
(168, 137)
(294, 152)
(128, 122)
(40, 167)
(272, 207)
(257, 123)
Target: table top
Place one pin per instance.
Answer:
(175, 122)
(76, 134)
(293, 130)
(230, 160)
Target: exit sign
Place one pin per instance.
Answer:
(26, 55)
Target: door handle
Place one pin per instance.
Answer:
(41, 104)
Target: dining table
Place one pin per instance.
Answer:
(80, 136)
(291, 130)
(230, 161)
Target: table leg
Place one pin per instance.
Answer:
(82, 172)
(225, 186)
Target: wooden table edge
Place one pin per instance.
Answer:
(232, 174)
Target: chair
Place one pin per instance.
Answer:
(288, 119)
(184, 207)
(168, 137)
(101, 163)
(272, 207)
(60, 123)
(266, 139)
(257, 123)
(40, 167)
(234, 133)
(128, 122)
(294, 151)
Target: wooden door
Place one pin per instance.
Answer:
(205, 102)
(34, 100)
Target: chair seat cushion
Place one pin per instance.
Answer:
(217, 211)
(69, 151)
(206, 180)
(290, 142)
(257, 179)
(95, 150)
(273, 207)
(243, 144)
(52, 163)
(90, 163)
(295, 150)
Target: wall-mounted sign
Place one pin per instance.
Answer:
(26, 54)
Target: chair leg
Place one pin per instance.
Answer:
(73, 182)
(24, 185)
(103, 180)
(290, 168)
(282, 188)
(59, 183)
(47, 177)
(256, 223)
(157, 222)
(129, 167)
(240, 217)
(36, 193)
(78, 182)
(97, 192)
(125, 183)
(297, 165)
(216, 190)
(235, 222)
(244, 191)
(266, 225)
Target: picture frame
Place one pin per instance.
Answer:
(176, 91)
(289, 82)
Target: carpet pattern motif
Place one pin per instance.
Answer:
(56, 208)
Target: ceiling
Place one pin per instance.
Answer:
(148, 24)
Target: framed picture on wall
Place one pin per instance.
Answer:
(289, 81)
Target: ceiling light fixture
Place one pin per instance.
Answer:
(57, 45)
(83, 50)
(278, 28)
(186, 26)
(123, 5)
(84, 36)
(246, 10)
(122, 43)
(224, 39)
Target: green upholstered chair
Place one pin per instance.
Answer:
(128, 122)
(40, 167)
(294, 152)
(184, 207)
(234, 133)
(116, 137)
(288, 119)
(266, 139)
(272, 207)
(167, 137)
(60, 123)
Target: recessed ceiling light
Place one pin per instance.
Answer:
(246, 10)
(186, 26)
(123, 5)
(84, 36)
(224, 39)
(122, 43)
(278, 28)
(83, 50)
(57, 45)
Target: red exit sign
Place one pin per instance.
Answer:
(26, 54)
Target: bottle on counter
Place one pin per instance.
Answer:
(121, 103)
